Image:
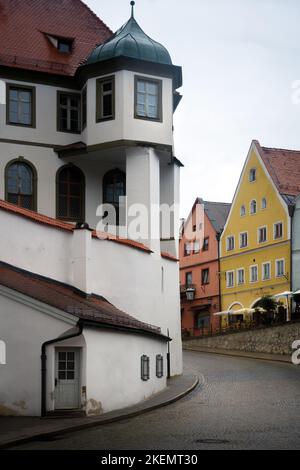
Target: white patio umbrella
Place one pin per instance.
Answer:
(297, 292)
(283, 294)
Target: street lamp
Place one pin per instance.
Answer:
(190, 293)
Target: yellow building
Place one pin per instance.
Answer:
(255, 246)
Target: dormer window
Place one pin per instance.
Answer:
(64, 46)
(148, 99)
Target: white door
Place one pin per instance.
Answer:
(67, 379)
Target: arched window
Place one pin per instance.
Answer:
(20, 184)
(264, 203)
(114, 187)
(70, 194)
(243, 211)
(253, 207)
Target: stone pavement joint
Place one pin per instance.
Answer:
(235, 353)
(19, 430)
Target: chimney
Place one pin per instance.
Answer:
(82, 252)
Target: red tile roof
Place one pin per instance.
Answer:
(25, 23)
(284, 168)
(93, 309)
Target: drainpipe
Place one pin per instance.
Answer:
(44, 363)
(169, 358)
(218, 237)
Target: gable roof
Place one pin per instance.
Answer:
(217, 212)
(284, 168)
(24, 25)
(92, 309)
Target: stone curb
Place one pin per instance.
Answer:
(256, 356)
(87, 425)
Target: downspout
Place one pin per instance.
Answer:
(218, 237)
(44, 363)
(168, 358)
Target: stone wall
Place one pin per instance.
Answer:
(272, 340)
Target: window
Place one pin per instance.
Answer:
(253, 273)
(266, 271)
(205, 276)
(253, 207)
(252, 175)
(20, 110)
(84, 108)
(278, 230)
(70, 194)
(68, 112)
(230, 243)
(206, 244)
(64, 46)
(145, 368)
(105, 99)
(243, 211)
(188, 249)
(262, 235)
(20, 182)
(114, 188)
(196, 247)
(240, 276)
(159, 366)
(148, 99)
(66, 365)
(280, 268)
(264, 203)
(230, 279)
(244, 240)
(189, 279)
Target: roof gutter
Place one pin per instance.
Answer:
(44, 363)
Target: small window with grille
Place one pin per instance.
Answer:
(145, 368)
(159, 366)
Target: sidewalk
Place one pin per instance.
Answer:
(234, 353)
(17, 430)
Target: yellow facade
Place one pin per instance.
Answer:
(275, 251)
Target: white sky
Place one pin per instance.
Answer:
(240, 59)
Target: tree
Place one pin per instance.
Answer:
(268, 303)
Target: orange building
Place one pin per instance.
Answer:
(200, 267)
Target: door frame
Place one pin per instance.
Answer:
(78, 354)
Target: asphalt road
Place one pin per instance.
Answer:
(239, 404)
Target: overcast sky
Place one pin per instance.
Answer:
(240, 59)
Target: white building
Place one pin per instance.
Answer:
(90, 321)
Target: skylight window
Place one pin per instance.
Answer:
(63, 45)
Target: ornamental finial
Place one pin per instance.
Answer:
(132, 9)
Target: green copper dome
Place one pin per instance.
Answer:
(130, 41)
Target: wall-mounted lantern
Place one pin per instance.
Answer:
(190, 293)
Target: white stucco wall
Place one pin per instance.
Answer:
(24, 328)
(114, 369)
(296, 247)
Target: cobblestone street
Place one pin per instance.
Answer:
(239, 404)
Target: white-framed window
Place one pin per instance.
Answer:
(148, 97)
(264, 203)
(253, 207)
(280, 267)
(252, 175)
(266, 271)
(241, 276)
(196, 247)
(262, 234)
(188, 249)
(243, 239)
(254, 273)
(278, 230)
(230, 279)
(243, 210)
(230, 243)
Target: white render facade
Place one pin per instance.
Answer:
(137, 276)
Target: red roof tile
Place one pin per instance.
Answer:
(25, 23)
(284, 168)
(93, 309)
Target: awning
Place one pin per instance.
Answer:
(283, 294)
(297, 292)
(227, 312)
